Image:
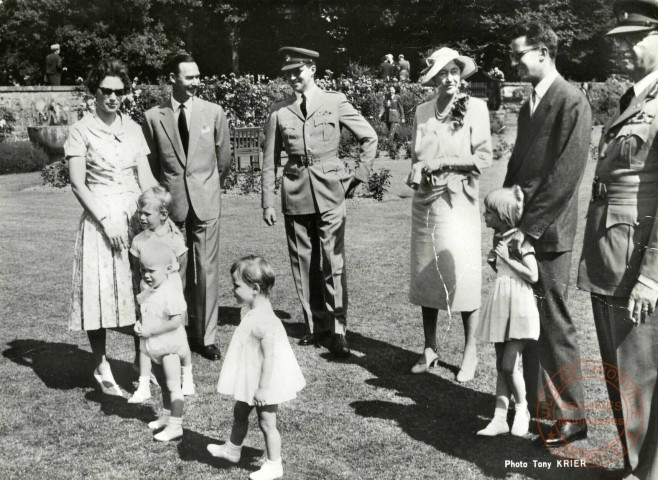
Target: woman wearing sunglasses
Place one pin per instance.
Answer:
(108, 168)
(451, 147)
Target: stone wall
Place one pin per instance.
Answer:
(41, 106)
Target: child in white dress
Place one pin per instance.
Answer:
(509, 317)
(260, 369)
(162, 306)
(153, 213)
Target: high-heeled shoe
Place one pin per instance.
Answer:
(427, 360)
(108, 387)
(467, 370)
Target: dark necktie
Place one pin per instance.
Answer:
(303, 105)
(182, 128)
(626, 99)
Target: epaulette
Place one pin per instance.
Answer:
(653, 92)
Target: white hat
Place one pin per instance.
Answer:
(54, 46)
(441, 58)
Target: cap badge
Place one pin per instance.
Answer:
(622, 16)
(288, 58)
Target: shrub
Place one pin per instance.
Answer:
(56, 174)
(604, 98)
(501, 147)
(6, 124)
(378, 183)
(21, 157)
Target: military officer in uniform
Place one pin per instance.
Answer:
(307, 126)
(619, 263)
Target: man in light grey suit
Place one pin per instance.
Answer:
(190, 154)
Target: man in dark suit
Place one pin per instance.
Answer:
(191, 154)
(619, 263)
(387, 70)
(548, 162)
(54, 66)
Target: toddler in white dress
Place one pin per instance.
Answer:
(509, 317)
(260, 369)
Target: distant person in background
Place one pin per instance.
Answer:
(496, 79)
(54, 68)
(387, 69)
(392, 111)
(404, 69)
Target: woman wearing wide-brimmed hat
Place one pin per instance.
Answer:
(451, 146)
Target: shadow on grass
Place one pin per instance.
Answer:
(446, 415)
(193, 447)
(63, 366)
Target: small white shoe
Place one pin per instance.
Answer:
(142, 394)
(270, 470)
(169, 433)
(496, 427)
(159, 423)
(222, 451)
(521, 424)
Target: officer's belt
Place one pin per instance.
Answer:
(308, 160)
(624, 191)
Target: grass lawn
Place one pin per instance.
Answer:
(364, 418)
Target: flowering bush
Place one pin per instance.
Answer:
(56, 174)
(6, 124)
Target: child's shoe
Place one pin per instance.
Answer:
(188, 381)
(497, 426)
(162, 420)
(228, 451)
(521, 424)
(143, 391)
(172, 431)
(270, 470)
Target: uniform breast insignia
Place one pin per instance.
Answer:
(642, 117)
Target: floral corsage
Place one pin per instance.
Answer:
(459, 105)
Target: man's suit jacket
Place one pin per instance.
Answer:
(53, 64)
(387, 71)
(548, 162)
(621, 235)
(314, 174)
(194, 179)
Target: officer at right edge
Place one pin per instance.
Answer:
(619, 263)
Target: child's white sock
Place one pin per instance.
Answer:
(497, 426)
(521, 424)
(161, 421)
(173, 430)
(271, 470)
(187, 380)
(228, 451)
(143, 391)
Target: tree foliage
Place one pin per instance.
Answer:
(244, 35)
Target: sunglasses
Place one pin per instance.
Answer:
(517, 56)
(109, 91)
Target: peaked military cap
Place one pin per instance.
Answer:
(635, 16)
(294, 57)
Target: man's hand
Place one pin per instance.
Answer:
(349, 193)
(502, 250)
(642, 303)
(269, 216)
